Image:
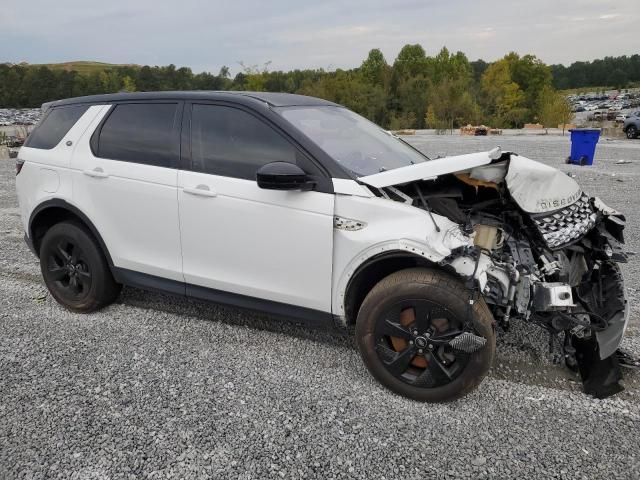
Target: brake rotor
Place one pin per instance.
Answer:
(408, 317)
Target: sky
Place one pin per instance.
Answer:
(329, 34)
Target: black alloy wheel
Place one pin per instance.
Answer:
(423, 335)
(75, 269)
(67, 267)
(413, 342)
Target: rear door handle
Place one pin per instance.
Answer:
(201, 190)
(97, 172)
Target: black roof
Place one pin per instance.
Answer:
(271, 98)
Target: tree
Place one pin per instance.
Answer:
(110, 81)
(444, 65)
(255, 76)
(411, 61)
(451, 102)
(609, 71)
(553, 109)
(531, 75)
(402, 121)
(430, 119)
(128, 85)
(411, 96)
(618, 79)
(374, 68)
(504, 100)
(224, 72)
(417, 90)
(478, 67)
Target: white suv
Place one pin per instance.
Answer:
(300, 208)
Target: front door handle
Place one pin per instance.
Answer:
(97, 172)
(201, 190)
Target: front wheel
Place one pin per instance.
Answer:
(632, 132)
(420, 336)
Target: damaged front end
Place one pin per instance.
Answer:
(543, 251)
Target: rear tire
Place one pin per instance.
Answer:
(75, 269)
(632, 132)
(437, 303)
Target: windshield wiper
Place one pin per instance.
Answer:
(411, 147)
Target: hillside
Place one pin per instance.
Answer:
(83, 67)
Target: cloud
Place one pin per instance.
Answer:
(205, 35)
(484, 34)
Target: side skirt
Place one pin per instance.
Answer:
(308, 316)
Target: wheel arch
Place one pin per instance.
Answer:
(54, 211)
(372, 271)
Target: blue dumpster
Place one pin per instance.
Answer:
(583, 145)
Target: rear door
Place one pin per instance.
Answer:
(126, 183)
(239, 238)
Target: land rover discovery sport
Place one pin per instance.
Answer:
(300, 208)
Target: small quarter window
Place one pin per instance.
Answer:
(54, 126)
(140, 133)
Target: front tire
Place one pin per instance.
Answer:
(632, 132)
(75, 269)
(421, 338)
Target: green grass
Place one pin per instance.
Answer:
(82, 67)
(570, 91)
(630, 86)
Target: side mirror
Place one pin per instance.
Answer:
(283, 176)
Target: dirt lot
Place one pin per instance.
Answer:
(162, 387)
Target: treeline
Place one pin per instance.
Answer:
(415, 91)
(616, 72)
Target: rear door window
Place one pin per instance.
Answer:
(55, 125)
(140, 133)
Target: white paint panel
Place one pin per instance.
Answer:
(427, 170)
(50, 180)
(134, 207)
(45, 174)
(391, 226)
(350, 187)
(274, 245)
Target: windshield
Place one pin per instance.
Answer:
(353, 141)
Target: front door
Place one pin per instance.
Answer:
(238, 238)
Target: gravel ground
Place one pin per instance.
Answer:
(162, 387)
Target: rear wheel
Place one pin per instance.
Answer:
(632, 132)
(421, 338)
(75, 269)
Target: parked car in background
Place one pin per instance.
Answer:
(620, 118)
(631, 125)
(597, 116)
(12, 141)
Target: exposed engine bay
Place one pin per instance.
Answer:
(542, 251)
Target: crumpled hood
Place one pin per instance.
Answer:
(539, 188)
(534, 186)
(430, 169)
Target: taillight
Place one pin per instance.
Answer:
(19, 164)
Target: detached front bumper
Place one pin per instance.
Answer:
(609, 339)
